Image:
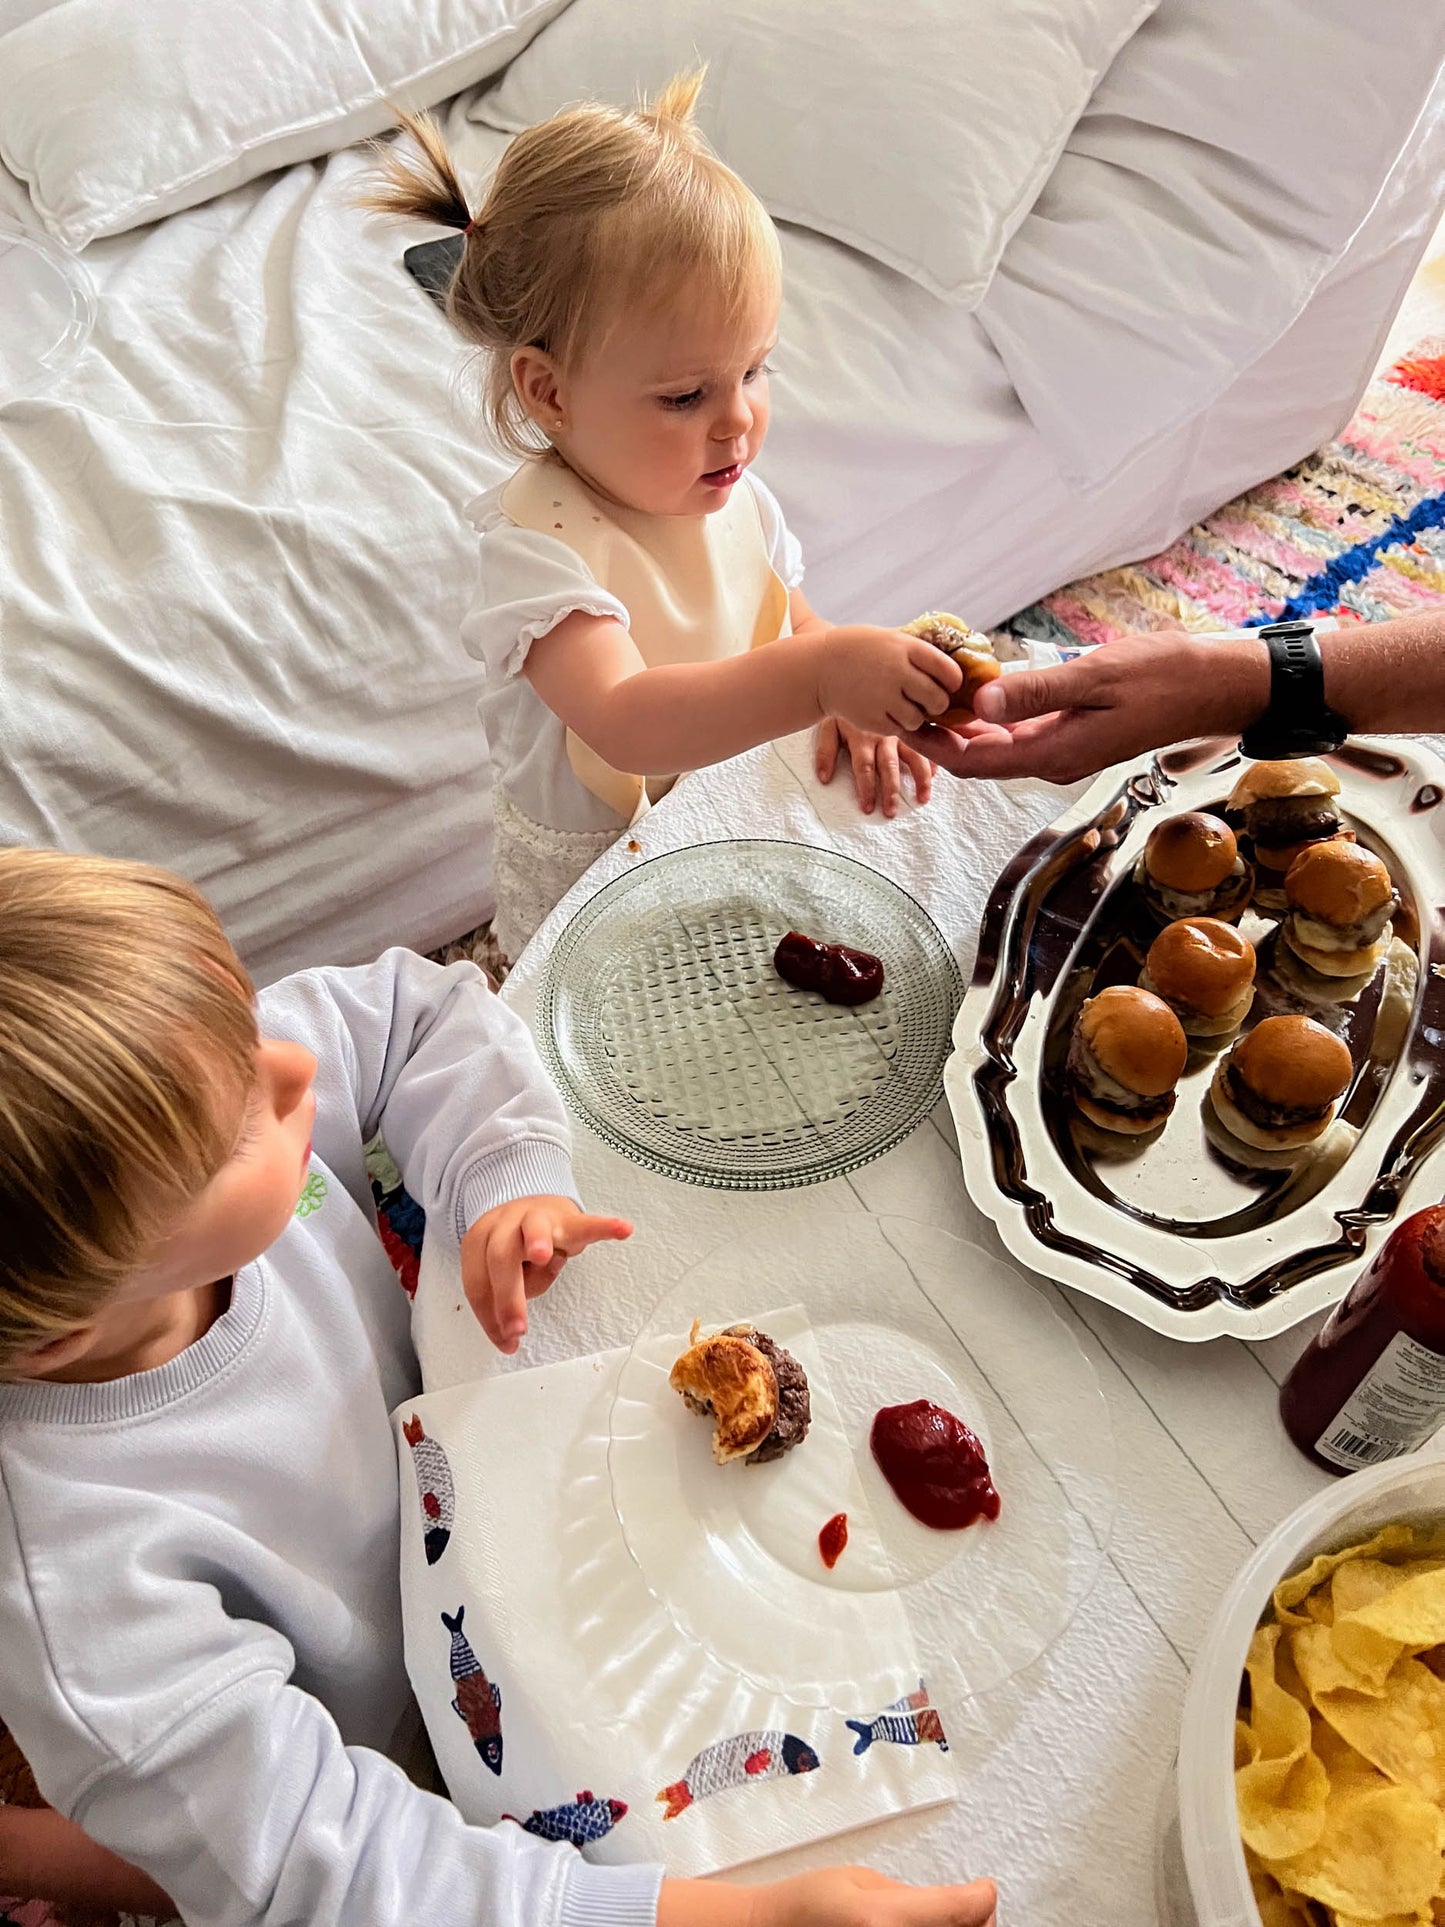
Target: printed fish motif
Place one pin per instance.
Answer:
(434, 1487)
(478, 1701)
(910, 1721)
(587, 1819)
(734, 1762)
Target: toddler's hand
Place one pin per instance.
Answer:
(875, 761)
(882, 681)
(513, 1252)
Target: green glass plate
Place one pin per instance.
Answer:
(667, 1028)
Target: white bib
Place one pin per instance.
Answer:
(697, 588)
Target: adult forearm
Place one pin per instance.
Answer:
(1388, 677)
(686, 715)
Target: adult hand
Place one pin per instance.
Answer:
(515, 1251)
(877, 763)
(836, 1897)
(1125, 697)
(859, 1897)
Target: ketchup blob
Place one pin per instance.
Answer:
(838, 974)
(934, 1464)
(833, 1539)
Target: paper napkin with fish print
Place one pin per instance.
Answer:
(589, 1665)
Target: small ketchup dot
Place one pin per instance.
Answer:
(833, 1540)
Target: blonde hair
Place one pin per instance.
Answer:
(124, 1015)
(588, 213)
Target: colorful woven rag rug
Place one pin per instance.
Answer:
(1356, 530)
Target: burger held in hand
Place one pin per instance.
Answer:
(971, 651)
(1285, 808)
(1278, 1088)
(1338, 904)
(1204, 970)
(1126, 1055)
(1191, 867)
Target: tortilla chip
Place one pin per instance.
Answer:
(1402, 1733)
(1276, 1907)
(1338, 1758)
(1393, 1920)
(1412, 1610)
(1290, 1592)
(1281, 1794)
(1322, 1670)
(1378, 1853)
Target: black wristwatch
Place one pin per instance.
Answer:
(1297, 721)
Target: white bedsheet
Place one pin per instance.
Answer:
(233, 557)
(232, 567)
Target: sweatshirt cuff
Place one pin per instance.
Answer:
(533, 1167)
(610, 1897)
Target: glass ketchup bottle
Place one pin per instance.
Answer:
(1371, 1386)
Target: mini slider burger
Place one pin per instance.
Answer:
(972, 652)
(1285, 807)
(1204, 970)
(1191, 867)
(1278, 1087)
(1126, 1055)
(1336, 931)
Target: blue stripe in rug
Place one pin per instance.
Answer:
(1324, 589)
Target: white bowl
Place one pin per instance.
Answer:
(1202, 1879)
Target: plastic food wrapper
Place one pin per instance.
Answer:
(1340, 1739)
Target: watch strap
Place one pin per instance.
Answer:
(1297, 720)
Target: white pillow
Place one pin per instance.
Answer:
(1220, 170)
(917, 131)
(115, 112)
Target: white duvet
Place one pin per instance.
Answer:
(232, 567)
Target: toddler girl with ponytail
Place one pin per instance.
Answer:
(624, 288)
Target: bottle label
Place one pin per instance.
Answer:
(1396, 1407)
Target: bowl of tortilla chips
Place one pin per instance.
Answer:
(1310, 1785)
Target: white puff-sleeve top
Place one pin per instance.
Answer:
(592, 556)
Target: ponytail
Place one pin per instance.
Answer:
(416, 179)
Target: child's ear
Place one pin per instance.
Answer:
(54, 1355)
(537, 381)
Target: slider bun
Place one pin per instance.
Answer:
(1202, 962)
(1305, 776)
(1360, 963)
(1293, 1062)
(1136, 1039)
(1338, 883)
(729, 1379)
(1279, 857)
(1297, 976)
(971, 651)
(1191, 852)
(1117, 1122)
(1284, 1137)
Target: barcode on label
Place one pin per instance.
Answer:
(1367, 1451)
